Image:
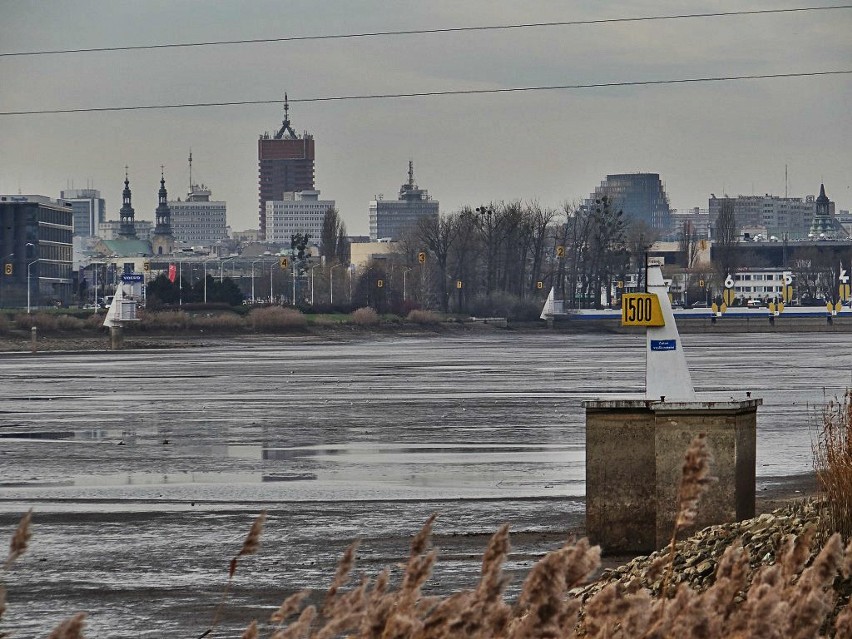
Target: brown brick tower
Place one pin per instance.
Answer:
(285, 163)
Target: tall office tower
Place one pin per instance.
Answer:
(198, 221)
(641, 196)
(89, 210)
(285, 165)
(389, 219)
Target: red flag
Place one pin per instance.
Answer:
(172, 273)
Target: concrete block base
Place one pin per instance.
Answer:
(634, 457)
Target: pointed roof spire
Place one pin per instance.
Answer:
(286, 129)
(822, 196)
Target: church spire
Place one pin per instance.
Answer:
(163, 213)
(127, 230)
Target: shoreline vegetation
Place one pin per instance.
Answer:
(83, 330)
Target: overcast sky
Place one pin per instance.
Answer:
(550, 146)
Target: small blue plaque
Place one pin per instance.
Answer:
(663, 344)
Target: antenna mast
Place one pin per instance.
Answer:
(190, 170)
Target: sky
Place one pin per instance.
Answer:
(550, 146)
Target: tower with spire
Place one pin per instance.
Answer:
(162, 240)
(127, 230)
(285, 164)
(389, 219)
(824, 226)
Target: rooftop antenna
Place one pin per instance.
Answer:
(411, 173)
(785, 181)
(285, 125)
(190, 170)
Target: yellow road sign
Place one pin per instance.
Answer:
(560, 251)
(8, 269)
(283, 262)
(459, 283)
(728, 296)
(539, 285)
(146, 266)
(421, 257)
(641, 309)
(380, 283)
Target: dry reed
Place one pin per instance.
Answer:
(20, 540)
(276, 318)
(833, 463)
(70, 628)
(365, 316)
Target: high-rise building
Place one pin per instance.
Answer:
(89, 210)
(285, 164)
(35, 249)
(301, 212)
(199, 221)
(389, 219)
(641, 196)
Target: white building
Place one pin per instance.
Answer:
(199, 221)
(300, 212)
(769, 215)
(89, 210)
(389, 219)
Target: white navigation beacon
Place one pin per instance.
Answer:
(666, 372)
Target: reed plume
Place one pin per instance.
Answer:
(70, 628)
(20, 540)
(695, 480)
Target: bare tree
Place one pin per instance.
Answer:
(725, 240)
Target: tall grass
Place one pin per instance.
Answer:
(365, 316)
(276, 318)
(833, 463)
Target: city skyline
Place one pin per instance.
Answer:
(550, 146)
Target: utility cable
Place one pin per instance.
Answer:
(421, 94)
(378, 34)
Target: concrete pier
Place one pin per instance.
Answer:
(116, 337)
(634, 457)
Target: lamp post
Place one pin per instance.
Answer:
(29, 287)
(222, 267)
(271, 270)
(312, 284)
(331, 284)
(404, 273)
(252, 280)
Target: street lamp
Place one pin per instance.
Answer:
(29, 288)
(404, 273)
(222, 267)
(331, 284)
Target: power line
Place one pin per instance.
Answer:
(377, 34)
(423, 94)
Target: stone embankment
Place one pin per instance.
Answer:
(696, 558)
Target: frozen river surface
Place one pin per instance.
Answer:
(145, 469)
